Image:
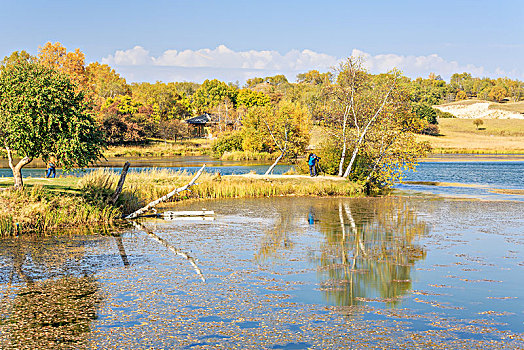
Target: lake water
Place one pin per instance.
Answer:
(422, 269)
(190, 164)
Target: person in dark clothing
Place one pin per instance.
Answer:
(312, 162)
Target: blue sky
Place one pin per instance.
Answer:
(235, 40)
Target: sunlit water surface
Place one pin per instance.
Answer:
(277, 273)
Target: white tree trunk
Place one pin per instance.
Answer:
(344, 146)
(270, 170)
(167, 196)
(363, 135)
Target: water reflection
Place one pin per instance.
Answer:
(49, 296)
(369, 250)
(49, 314)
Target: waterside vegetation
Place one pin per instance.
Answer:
(51, 205)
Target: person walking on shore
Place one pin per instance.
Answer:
(51, 168)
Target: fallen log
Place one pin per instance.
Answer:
(167, 196)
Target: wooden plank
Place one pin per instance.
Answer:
(189, 218)
(189, 213)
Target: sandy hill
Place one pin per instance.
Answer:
(473, 109)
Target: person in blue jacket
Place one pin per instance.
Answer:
(51, 168)
(312, 162)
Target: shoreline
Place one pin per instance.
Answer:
(49, 205)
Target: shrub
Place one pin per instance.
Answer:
(425, 112)
(227, 142)
(431, 129)
(442, 114)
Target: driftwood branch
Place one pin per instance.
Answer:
(120, 185)
(171, 248)
(167, 196)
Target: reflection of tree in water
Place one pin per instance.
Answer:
(276, 239)
(50, 314)
(48, 311)
(369, 250)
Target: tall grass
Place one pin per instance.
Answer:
(161, 149)
(249, 155)
(145, 186)
(38, 210)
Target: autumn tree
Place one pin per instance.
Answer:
(71, 63)
(314, 77)
(17, 57)
(104, 81)
(478, 122)
(461, 95)
(42, 115)
(497, 93)
(375, 122)
(166, 101)
(211, 93)
(283, 129)
(124, 120)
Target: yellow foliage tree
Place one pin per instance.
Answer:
(497, 93)
(461, 95)
(71, 63)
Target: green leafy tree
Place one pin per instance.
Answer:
(425, 112)
(212, 93)
(41, 115)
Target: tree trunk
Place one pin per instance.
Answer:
(167, 196)
(371, 121)
(120, 185)
(17, 169)
(343, 157)
(270, 170)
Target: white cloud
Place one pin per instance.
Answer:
(221, 62)
(415, 66)
(132, 57)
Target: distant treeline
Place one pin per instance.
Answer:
(131, 113)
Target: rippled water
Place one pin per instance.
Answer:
(278, 273)
(191, 164)
(467, 179)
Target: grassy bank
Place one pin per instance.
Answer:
(41, 209)
(161, 148)
(248, 155)
(50, 205)
(495, 136)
